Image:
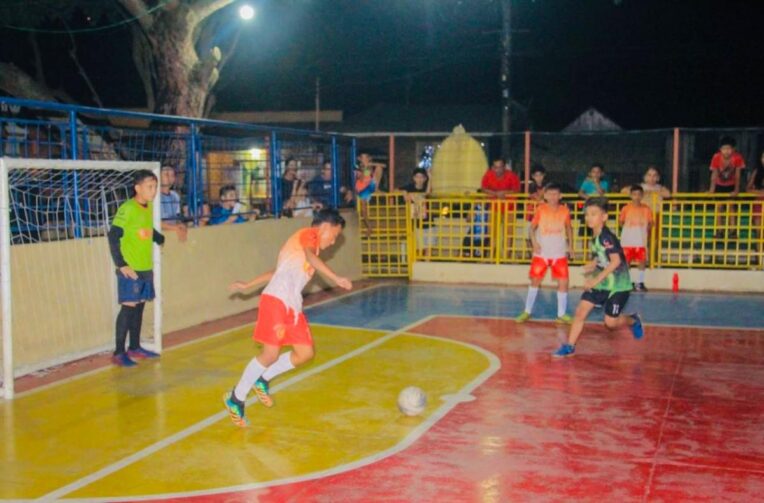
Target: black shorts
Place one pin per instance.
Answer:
(724, 189)
(135, 290)
(612, 302)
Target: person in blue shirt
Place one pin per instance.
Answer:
(229, 210)
(320, 188)
(594, 184)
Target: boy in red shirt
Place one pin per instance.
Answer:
(636, 219)
(552, 239)
(725, 167)
(280, 320)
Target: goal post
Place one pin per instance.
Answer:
(57, 280)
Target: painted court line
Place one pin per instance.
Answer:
(194, 341)
(223, 414)
(449, 402)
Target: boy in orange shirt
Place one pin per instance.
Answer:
(552, 240)
(280, 320)
(636, 221)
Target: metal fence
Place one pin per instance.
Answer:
(207, 155)
(690, 231)
(682, 155)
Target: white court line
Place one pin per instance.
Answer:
(182, 434)
(449, 402)
(199, 339)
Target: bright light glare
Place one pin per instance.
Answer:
(246, 12)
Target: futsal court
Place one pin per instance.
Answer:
(676, 416)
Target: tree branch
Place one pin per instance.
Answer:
(38, 66)
(205, 8)
(81, 69)
(143, 59)
(137, 9)
(17, 82)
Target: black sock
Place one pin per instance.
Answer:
(123, 324)
(134, 327)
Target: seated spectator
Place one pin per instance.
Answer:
(320, 188)
(230, 210)
(289, 183)
(303, 206)
(498, 181)
(594, 184)
(726, 166)
(170, 204)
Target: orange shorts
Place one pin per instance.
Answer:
(276, 324)
(634, 254)
(559, 267)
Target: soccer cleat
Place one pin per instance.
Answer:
(641, 287)
(122, 360)
(564, 350)
(262, 391)
(565, 319)
(235, 409)
(637, 328)
(523, 317)
(141, 353)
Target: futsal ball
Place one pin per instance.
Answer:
(412, 401)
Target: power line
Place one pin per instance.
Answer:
(117, 24)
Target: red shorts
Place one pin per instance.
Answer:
(559, 267)
(634, 254)
(276, 324)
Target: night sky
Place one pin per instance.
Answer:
(643, 63)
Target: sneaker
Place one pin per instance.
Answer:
(637, 328)
(565, 319)
(122, 360)
(262, 391)
(641, 287)
(564, 351)
(235, 409)
(141, 353)
(523, 317)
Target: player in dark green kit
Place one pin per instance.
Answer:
(609, 282)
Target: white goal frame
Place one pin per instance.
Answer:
(9, 373)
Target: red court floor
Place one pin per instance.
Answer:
(675, 417)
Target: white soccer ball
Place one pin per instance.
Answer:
(412, 401)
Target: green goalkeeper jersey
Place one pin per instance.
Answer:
(137, 223)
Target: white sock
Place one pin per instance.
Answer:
(531, 299)
(641, 276)
(283, 364)
(562, 303)
(251, 373)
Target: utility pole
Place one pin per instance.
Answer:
(506, 94)
(318, 102)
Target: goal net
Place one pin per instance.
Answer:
(59, 300)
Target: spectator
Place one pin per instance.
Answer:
(289, 183)
(498, 181)
(368, 176)
(303, 207)
(655, 193)
(320, 188)
(756, 186)
(415, 193)
(594, 184)
(537, 183)
(725, 167)
(202, 213)
(170, 205)
(229, 211)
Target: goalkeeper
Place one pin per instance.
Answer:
(131, 239)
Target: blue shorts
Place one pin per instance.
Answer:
(135, 290)
(366, 193)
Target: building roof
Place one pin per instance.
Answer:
(591, 120)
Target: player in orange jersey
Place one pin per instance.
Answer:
(636, 221)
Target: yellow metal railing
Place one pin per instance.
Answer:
(692, 230)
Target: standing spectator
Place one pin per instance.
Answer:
(289, 183)
(368, 176)
(725, 167)
(229, 211)
(170, 205)
(415, 193)
(756, 186)
(594, 184)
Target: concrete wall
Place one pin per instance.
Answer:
(63, 293)
(709, 280)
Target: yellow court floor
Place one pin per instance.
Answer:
(160, 428)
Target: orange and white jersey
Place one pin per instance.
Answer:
(550, 230)
(634, 223)
(293, 270)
